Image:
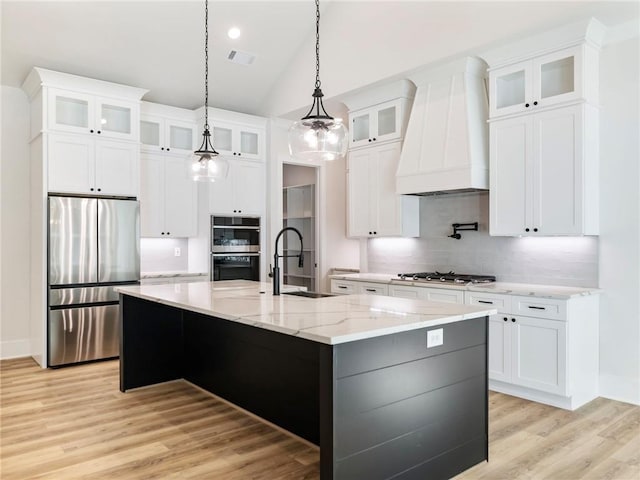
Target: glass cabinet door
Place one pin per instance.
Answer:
(151, 132)
(114, 119)
(510, 89)
(388, 121)
(69, 111)
(181, 136)
(361, 128)
(249, 143)
(557, 76)
(222, 139)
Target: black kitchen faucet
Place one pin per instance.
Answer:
(275, 272)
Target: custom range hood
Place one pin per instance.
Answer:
(445, 149)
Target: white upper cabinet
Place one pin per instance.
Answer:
(168, 197)
(377, 124)
(78, 112)
(238, 140)
(167, 129)
(85, 165)
(544, 174)
(167, 135)
(373, 207)
(551, 69)
(242, 192)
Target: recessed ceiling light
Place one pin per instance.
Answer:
(233, 33)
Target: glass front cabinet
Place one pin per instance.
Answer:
(167, 134)
(238, 140)
(78, 112)
(376, 124)
(543, 81)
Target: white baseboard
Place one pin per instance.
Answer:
(15, 349)
(622, 389)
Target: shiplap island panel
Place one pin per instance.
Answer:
(387, 387)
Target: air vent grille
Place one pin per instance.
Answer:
(242, 58)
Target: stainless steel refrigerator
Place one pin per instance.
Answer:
(93, 245)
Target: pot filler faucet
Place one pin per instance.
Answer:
(275, 273)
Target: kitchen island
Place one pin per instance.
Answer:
(387, 387)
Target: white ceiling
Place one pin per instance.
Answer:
(158, 45)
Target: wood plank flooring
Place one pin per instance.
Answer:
(74, 423)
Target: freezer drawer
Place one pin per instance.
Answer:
(81, 334)
(78, 295)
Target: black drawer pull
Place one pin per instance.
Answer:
(342, 286)
(537, 308)
(485, 301)
(370, 289)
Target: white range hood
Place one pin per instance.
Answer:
(446, 148)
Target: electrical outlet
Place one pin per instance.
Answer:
(435, 338)
(176, 252)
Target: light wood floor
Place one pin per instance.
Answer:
(75, 423)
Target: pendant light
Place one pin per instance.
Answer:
(317, 135)
(205, 164)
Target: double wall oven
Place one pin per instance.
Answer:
(235, 248)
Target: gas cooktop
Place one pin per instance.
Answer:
(449, 277)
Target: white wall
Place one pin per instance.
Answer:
(620, 219)
(14, 224)
(158, 255)
(569, 261)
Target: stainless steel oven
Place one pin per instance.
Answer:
(235, 248)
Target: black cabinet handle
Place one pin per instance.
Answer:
(99, 189)
(535, 229)
(91, 189)
(168, 233)
(375, 233)
(342, 286)
(526, 105)
(161, 148)
(239, 211)
(536, 308)
(370, 233)
(234, 153)
(99, 131)
(369, 139)
(162, 233)
(239, 154)
(526, 229)
(535, 103)
(374, 139)
(513, 320)
(485, 301)
(370, 289)
(91, 131)
(505, 319)
(168, 149)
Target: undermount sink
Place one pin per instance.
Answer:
(309, 294)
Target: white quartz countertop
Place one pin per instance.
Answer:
(539, 291)
(330, 320)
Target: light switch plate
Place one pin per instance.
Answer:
(435, 338)
(176, 251)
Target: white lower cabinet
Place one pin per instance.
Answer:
(551, 360)
(168, 197)
(347, 287)
(427, 293)
(242, 192)
(90, 166)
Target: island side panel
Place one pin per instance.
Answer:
(151, 344)
(271, 374)
(405, 411)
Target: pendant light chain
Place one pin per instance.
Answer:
(317, 43)
(206, 65)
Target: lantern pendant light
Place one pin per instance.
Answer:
(317, 135)
(205, 164)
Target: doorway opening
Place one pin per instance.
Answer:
(300, 210)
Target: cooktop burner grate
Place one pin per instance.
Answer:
(450, 277)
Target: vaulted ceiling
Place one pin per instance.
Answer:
(159, 45)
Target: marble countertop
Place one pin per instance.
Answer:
(330, 320)
(172, 274)
(525, 289)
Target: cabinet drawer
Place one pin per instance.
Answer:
(443, 295)
(501, 302)
(343, 286)
(539, 307)
(373, 289)
(404, 291)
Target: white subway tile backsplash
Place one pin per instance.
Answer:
(569, 261)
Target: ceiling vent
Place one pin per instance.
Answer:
(242, 58)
